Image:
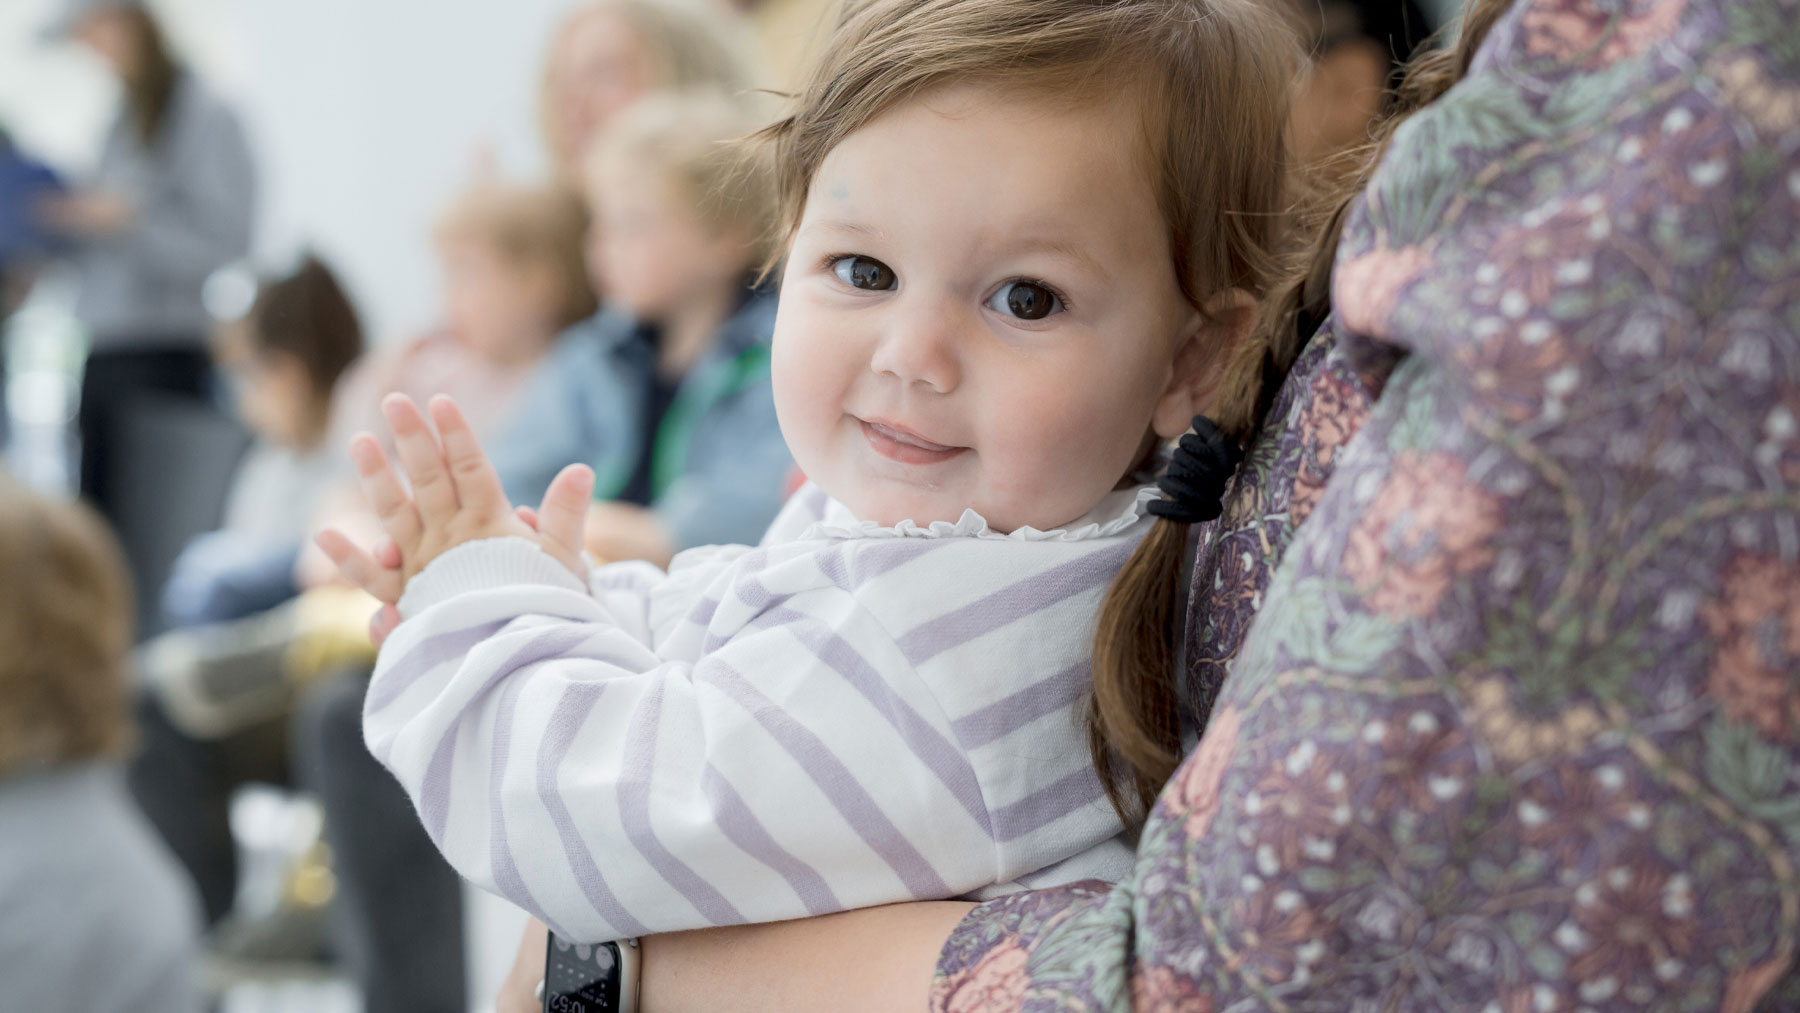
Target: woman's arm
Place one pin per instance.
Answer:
(874, 960)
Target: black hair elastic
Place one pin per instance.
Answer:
(1194, 485)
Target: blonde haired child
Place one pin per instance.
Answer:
(666, 393)
(1026, 244)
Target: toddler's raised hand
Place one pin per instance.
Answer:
(455, 498)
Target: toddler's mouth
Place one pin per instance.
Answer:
(904, 445)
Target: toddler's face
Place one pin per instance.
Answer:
(980, 310)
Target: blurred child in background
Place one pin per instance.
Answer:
(1357, 48)
(281, 361)
(258, 698)
(95, 915)
(665, 393)
(514, 278)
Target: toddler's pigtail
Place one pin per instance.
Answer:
(1134, 730)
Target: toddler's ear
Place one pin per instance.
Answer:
(1214, 342)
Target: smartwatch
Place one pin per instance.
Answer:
(588, 978)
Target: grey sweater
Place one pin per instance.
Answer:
(194, 191)
(95, 914)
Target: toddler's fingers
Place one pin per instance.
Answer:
(399, 516)
(528, 515)
(386, 553)
(422, 458)
(382, 623)
(359, 567)
(477, 487)
(563, 515)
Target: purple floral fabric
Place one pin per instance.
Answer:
(1517, 726)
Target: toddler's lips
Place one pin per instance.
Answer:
(905, 446)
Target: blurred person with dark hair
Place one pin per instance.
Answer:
(281, 358)
(1357, 48)
(95, 915)
(171, 201)
(281, 361)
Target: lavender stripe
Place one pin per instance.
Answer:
(850, 570)
(500, 856)
(1075, 790)
(425, 655)
(701, 615)
(434, 793)
(838, 784)
(1023, 706)
(636, 771)
(927, 744)
(740, 825)
(559, 736)
(1014, 602)
(815, 503)
(753, 593)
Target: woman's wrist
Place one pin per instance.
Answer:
(872, 960)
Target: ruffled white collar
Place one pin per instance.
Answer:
(1119, 512)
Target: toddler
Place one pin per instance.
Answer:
(1026, 242)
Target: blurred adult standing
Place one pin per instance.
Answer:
(170, 201)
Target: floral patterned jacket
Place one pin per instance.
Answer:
(1518, 727)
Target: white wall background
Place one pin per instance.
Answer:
(365, 115)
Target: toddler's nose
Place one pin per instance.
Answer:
(921, 348)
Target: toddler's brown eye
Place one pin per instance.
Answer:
(1026, 300)
(863, 272)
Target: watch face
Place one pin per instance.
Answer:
(581, 979)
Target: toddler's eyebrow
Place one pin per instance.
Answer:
(849, 228)
(1057, 247)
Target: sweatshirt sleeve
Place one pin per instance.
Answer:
(652, 753)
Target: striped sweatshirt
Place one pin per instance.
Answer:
(847, 715)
